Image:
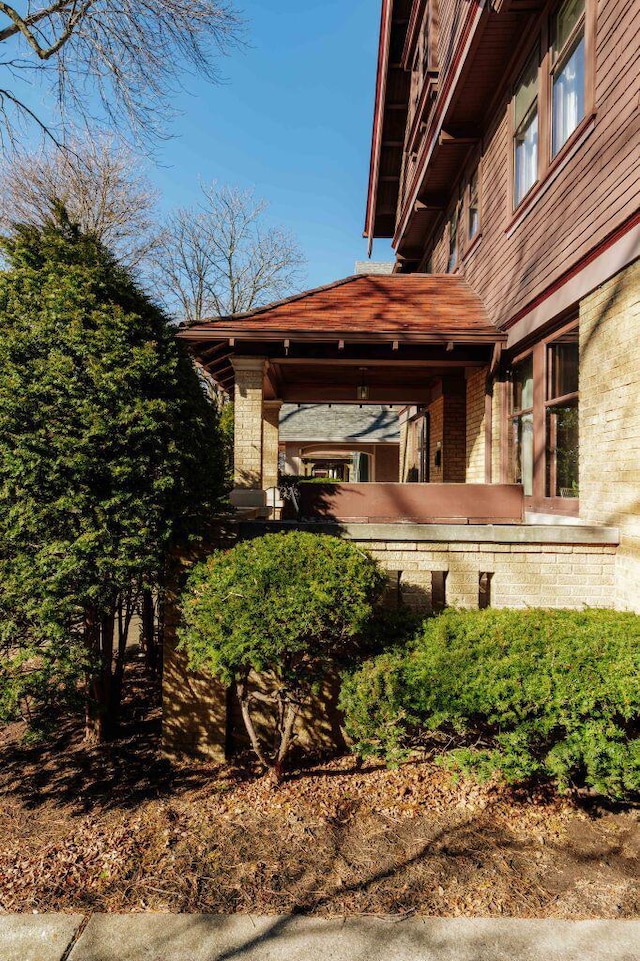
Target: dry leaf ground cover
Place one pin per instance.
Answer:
(122, 830)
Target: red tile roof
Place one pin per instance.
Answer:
(433, 306)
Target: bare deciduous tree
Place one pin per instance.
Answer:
(219, 258)
(123, 58)
(101, 185)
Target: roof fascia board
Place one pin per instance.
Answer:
(271, 334)
(378, 118)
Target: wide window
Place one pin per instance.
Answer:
(567, 71)
(525, 138)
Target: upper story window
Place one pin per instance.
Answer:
(424, 43)
(554, 95)
(473, 207)
(454, 224)
(525, 137)
(416, 80)
(567, 71)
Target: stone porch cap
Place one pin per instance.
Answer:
(461, 533)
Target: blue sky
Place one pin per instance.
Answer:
(293, 120)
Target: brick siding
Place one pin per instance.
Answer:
(610, 421)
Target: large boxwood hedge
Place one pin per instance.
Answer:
(526, 693)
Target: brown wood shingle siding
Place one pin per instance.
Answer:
(519, 256)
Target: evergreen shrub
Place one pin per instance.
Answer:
(289, 606)
(532, 693)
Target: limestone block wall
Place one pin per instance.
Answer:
(520, 574)
(610, 421)
(475, 447)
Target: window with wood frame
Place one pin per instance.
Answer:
(522, 424)
(424, 44)
(525, 129)
(454, 229)
(554, 95)
(544, 422)
(561, 416)
(568, 73)
(473, 206)
(422, 448)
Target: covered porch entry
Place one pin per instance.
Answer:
(422, 344)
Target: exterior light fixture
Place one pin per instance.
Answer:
(362, 391)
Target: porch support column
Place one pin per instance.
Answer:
(247, 444)
(270, 442)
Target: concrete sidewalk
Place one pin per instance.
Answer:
(165, 937)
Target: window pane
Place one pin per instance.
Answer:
(568, 96)
(526, 91)
(474, 209)
(523, 384)
(562, 450)
(526, 158)
(453, 239)
(523, 452)
(425, 43)
(563, 23)
(563, 366)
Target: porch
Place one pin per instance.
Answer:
(420, 344)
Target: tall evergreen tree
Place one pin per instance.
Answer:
(109, 456)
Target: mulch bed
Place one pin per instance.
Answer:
(120, 829)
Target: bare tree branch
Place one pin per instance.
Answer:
(126, 56)
(220, 258)
(101, 185)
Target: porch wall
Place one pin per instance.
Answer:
(610, 421)
(528, 566)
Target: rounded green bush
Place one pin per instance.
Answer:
(526, 693)
(289, 605)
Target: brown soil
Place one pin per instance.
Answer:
(120, 829)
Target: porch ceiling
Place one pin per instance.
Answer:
(405, 330)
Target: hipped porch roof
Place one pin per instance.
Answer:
(407, 312)
(429, 306)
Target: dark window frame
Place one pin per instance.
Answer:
(547, 161)
(538, 500)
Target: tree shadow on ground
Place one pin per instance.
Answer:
(63, 769)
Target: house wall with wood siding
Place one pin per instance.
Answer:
(582, 201)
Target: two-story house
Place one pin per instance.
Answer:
(506, 151)
(505, 169)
